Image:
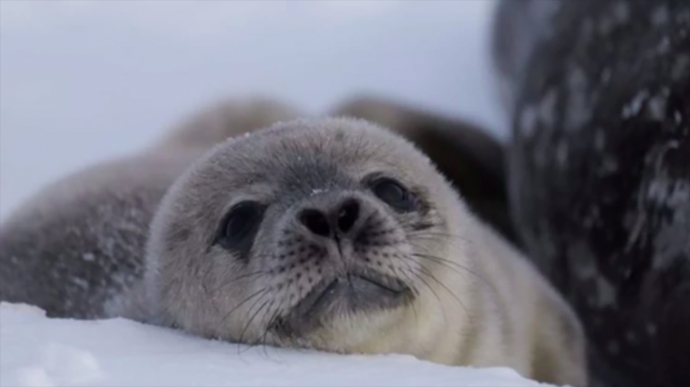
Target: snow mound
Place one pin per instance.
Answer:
(40, 351)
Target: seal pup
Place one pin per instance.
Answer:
(83, 239)
(73, 247)
(346, 239)
(599, 171)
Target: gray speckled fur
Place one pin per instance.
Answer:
(72, 248)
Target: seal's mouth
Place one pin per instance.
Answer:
(355, 291)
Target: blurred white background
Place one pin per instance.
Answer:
(85, 81)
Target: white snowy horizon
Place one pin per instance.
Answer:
(86, 81)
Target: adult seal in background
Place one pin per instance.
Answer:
(346, 239)
(599, 171)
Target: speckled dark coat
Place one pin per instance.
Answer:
(599, 170)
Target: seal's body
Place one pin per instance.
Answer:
(75, 245)
(331, 234)
(78, 243)
(599, 170)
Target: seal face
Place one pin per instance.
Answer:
(325, 229)
(338, 247)
(358, 247)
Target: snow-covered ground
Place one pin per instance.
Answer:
(37, 351)
(86, 81)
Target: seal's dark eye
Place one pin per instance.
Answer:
(239, 227)
(394, 194)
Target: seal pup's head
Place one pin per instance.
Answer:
(323, 233)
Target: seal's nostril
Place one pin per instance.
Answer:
(347, 215)
(315, 221)
(324, 223)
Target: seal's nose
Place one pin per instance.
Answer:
(339, 218)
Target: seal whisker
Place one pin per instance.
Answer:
(415, 291)
(426, 272)
(262, 291)
(453, 265)
(249, 323)
(229, 282)
(412, 285)
(263, 336)
(445, 237)
(431, 289)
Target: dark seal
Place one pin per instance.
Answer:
(599, 171)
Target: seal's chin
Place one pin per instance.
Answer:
(356, 291)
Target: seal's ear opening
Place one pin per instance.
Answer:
(471, 159)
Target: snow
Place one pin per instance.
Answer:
(86, 81)
(39, 351)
